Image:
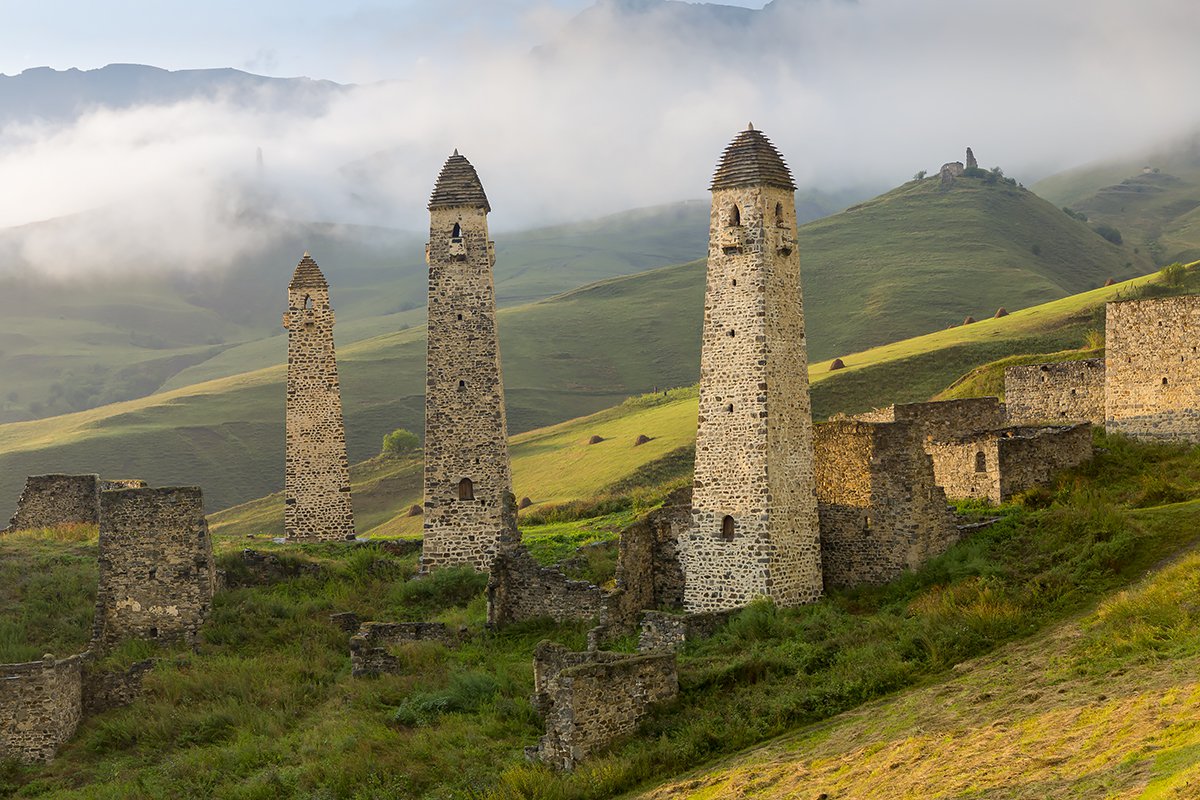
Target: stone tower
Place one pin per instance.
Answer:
(467, 472)
(754, 529)
(317, 476)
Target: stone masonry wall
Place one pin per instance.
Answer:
(1056, 393)
(881, 510)
(466, 432)
(519, 589)
(1152, 369)
(662, 632)
(943, 419)
(589, 699)
(649, 574)
(41, 703)
(156, 565)
(754, 526)
(369, 648)
(317, 503)
(107, 690)
(51, 500)
(1012, 460)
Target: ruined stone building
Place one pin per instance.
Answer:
(467, 473)
(1056, 393)
(754, 529)
(317, 474)
(49, 501)
(881, 509)
(41, 703)
(941, 419)
(995, 465)
(1152, 368)
(156, 576)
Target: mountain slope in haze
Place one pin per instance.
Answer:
(1153, 201)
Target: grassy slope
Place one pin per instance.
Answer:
(266, 708)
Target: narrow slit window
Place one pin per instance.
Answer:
(735, 217)
(779, 223)
(308, 304)
(456, 233)
(728, 527)
(980, 462)
(466, 489)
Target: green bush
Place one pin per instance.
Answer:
(400, 442)
(1109, 232)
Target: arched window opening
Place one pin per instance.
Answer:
(732, 332)
(460, 317)
(457, 232)
(735, 217)
(779, 223)
(462, 384)
(728, 527)
(729, 408)
(466, 489)
(1164, 381)
(980, 462)
(308, 304)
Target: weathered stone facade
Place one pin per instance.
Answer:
(157, 576)
(467, 473)
(996, 465)
(649, 573)
(943, 419)
(520, 589)
(590, 698)
(1152, 369)
(316, 485)
(41, 703)
(662, 632)
(754, 526)
(106, 690)
(48, 501)
(881, 510)
(370, 652)
(1056, 393)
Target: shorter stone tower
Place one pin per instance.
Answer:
(317, 474)
(467, 474)
(754, 526)
(156, 566)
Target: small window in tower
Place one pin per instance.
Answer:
(729, 408)
(779, 223)
(1164, 381)
(153, 633)
(460, 317)
(153, 572)
(308, 303)
(457, 232)
(735, 217)
(462, 384)
(466, 489)
(728, 528)
(734, 282)
(732, 332)
(867, 522)
(980, 462)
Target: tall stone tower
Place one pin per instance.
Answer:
(754, 526)
(467, 472)
(317, 476)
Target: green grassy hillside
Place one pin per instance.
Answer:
(1051, 655)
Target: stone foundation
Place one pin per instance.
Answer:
(41, 703)
(520, 589)
(1058, 393)
(369, 648)
(591, 698)
(668, 633)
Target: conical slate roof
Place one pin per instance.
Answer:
(751, 160)
(458, 186)
(308, 275)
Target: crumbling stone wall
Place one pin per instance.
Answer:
(663, 632)
(649, 573)
(467, 471)
(109, 689)
(41, 703)
(1057, 393)
(754, 529)
(996, 465)
(881, 510)
(370, 648)
(589, 699)
(316, 485)
(51, 500)
(1152, 369)
(519, 589)
(156, 565)
(121, 483)
(943, 419)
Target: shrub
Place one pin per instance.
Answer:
(400, 442)
(1174, 275)
(1109, 232)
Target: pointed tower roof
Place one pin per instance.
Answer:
(458, 186)
(751, 160)
(308, 275)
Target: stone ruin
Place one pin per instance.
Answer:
(882, 512)
(370, 647)
(590, 698)
(467, 472)
(316, 491)
(1061, 392)
(157, 576)
(971, 162)
(41, 703)
(48, 501)
(950, 171)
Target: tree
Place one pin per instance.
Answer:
(920, 176)
(1108, 232)
(400, 442)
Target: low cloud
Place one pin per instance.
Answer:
(621, 108)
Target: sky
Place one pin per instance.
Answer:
(624, 109)
(350, 41)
